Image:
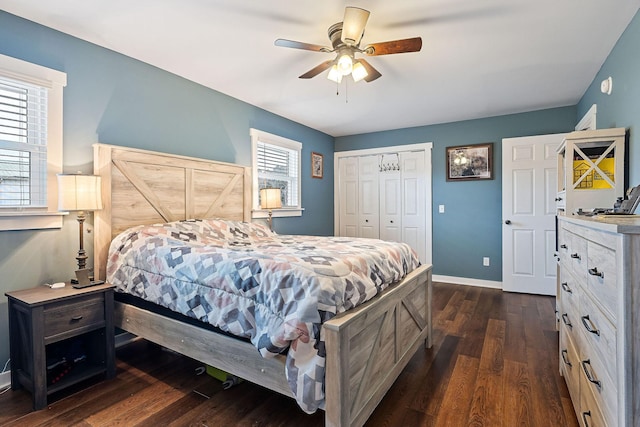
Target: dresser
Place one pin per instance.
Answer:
(599, 310)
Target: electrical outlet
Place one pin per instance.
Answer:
(485, 261)
(440, 208)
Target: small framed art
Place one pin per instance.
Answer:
(317, 165)
(470, 162)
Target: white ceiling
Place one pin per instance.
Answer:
(478, 59)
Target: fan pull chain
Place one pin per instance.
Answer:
(346, 91)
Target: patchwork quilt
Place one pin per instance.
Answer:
(275, 290)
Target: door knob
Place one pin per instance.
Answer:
(508, 222)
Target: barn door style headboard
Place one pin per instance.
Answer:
(146, 187)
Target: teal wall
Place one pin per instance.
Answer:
(113, 99)
(622, 107)
(471, 227)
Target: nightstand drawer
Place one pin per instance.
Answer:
(64, 319)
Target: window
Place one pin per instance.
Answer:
(276, 164)
(30, 144)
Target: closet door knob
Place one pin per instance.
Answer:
(508, 222)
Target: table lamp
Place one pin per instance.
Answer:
(270, 199)
(79, 193)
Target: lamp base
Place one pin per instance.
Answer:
(86, 285)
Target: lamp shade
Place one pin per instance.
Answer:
(353, 24)
(270, 198)
(79, 192)
(359, 72)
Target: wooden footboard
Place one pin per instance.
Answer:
(369, 346)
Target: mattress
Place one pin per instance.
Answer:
(275, 290)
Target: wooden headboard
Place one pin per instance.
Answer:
(146, 187)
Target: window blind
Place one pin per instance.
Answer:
(23, 144)
(278, 168)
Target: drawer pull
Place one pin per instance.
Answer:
(566, 287)
(76, 318)
(589, 326)
(584, 418)
(564, 358)
(589, 375)
(575, 256)
(594, 272)
(565, 319)
(563, 246)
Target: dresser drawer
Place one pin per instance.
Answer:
(570, 363)
(569, 291)
(589, 414)
(570, 317)
(576, 257)
(602, 278)
(595, 380)
(599, 334)
(63, 319)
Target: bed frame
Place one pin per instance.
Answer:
(367, 347)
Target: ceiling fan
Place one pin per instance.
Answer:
(345, 38)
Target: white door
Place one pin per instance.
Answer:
(528, 213)
(368, 197)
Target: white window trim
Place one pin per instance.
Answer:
(55, 81)
(284, 142)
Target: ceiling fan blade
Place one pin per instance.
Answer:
(372, 73)
(396, 46)
(317, 70)
(353, 25)
(301, 45)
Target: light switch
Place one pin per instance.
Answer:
(441, 208)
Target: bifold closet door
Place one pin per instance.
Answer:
(368, 197)
(391, 205)
(414, 201)
(348, 197)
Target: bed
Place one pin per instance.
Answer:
(366, 347)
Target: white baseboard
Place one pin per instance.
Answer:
(5, 380)
(466, 281)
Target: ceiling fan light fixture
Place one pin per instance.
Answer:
(334, 75)
(359, 72)
(345, 64)
(353, 24)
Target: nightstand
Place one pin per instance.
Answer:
(60, 337)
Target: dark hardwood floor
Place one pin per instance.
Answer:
(494, 363)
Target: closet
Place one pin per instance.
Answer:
(386, 194)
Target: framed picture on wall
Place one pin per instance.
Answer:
(470, 162)
(316, 165)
